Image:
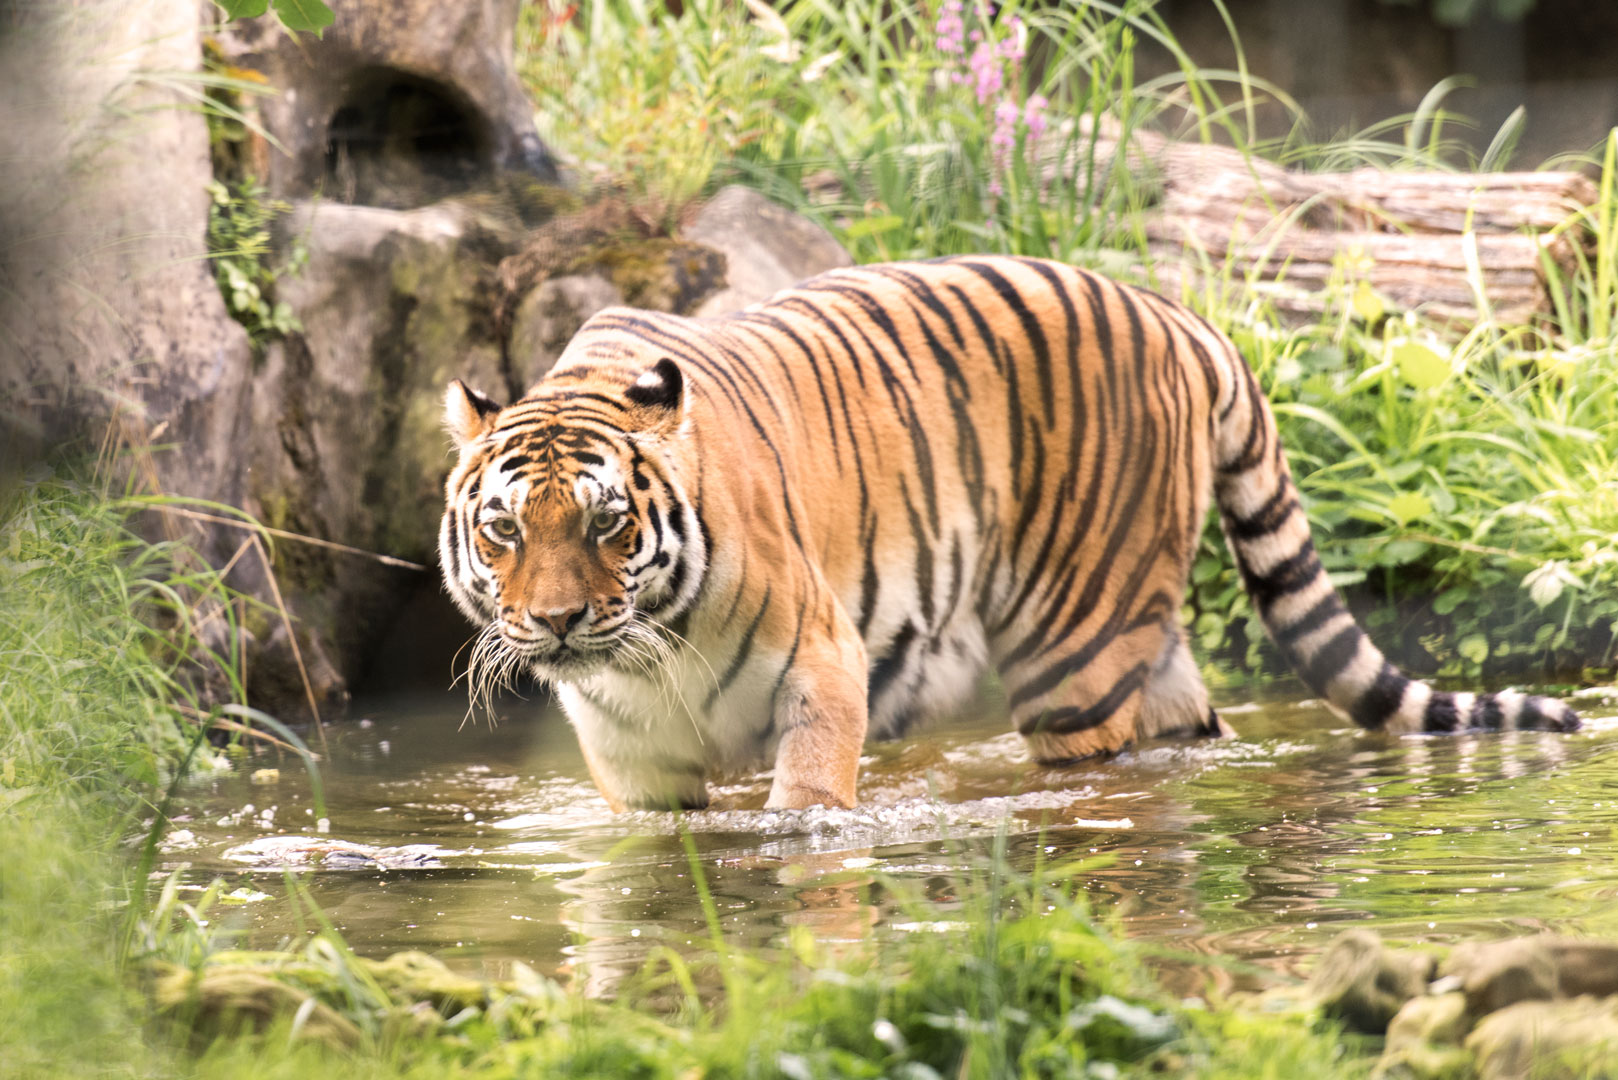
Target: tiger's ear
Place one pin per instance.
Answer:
(658, 397)
(467, 413)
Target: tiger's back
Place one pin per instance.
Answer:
(898, 475)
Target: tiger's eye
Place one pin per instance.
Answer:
(505, 527)
(604, 520)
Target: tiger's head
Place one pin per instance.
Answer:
(566, 531)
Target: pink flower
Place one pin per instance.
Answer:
(1005, 124)
(1033, 116)
(1012, 47)
(951, 28)
(986, 74)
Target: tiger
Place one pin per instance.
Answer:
(765, 537)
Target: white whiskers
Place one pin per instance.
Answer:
(654, 655)
(492, 669)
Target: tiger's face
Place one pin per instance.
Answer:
(565, 532)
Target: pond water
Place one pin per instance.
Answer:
(488, 846)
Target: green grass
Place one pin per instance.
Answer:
(84, 742)
(1463, 486)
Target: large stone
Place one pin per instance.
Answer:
(1364, 984)
(766, 247)
(1501, 973)
(345, 438)
(1424, 1040)
(550, 314)
(1574, 1037)
(399, 102)
(1496, 974)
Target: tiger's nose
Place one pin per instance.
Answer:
(561, 620)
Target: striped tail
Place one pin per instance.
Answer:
(1268, 533)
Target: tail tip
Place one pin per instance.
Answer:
(1548, 714)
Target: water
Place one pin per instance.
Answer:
(486, 847)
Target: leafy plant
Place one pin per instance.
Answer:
(240, 243)
(312, 16)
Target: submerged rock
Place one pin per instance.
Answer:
(294, 851)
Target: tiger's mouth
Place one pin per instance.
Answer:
(561, 661)
(500, 661)
(567, 663)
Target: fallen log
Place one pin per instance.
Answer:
(1445, 244)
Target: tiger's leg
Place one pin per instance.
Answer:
(820, 713)
(1086, 699)
(1175, 702)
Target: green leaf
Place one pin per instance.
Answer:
(1545, 583)
(310, 15)
(1366, 303)
(867, 226)
(1400, 552)
(1323, 358)
(243, 9)
(1410, 506)
(1450, 599)
(1419, 366)
(1475, 647)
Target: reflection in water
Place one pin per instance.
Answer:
(488, 847)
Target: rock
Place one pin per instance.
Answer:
(1424, 1040)
(1583, 967)
(1364, 984)
(398, 104)
(1497, 974)
(343, 433)
(1501, 973)
(766, 247)
(549, 316)
(225, 1000)
(1440, 1018)
(1551, 1039)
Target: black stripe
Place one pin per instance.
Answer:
(1332, 658)
(1069, 719)
(886, 668)
(1441, 714)
(869, 583)
(1381, 700)
(1031, 328)
(737, 662)
(1287, 576)
(1326, 608)
(924, 556)
(1266, 519)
